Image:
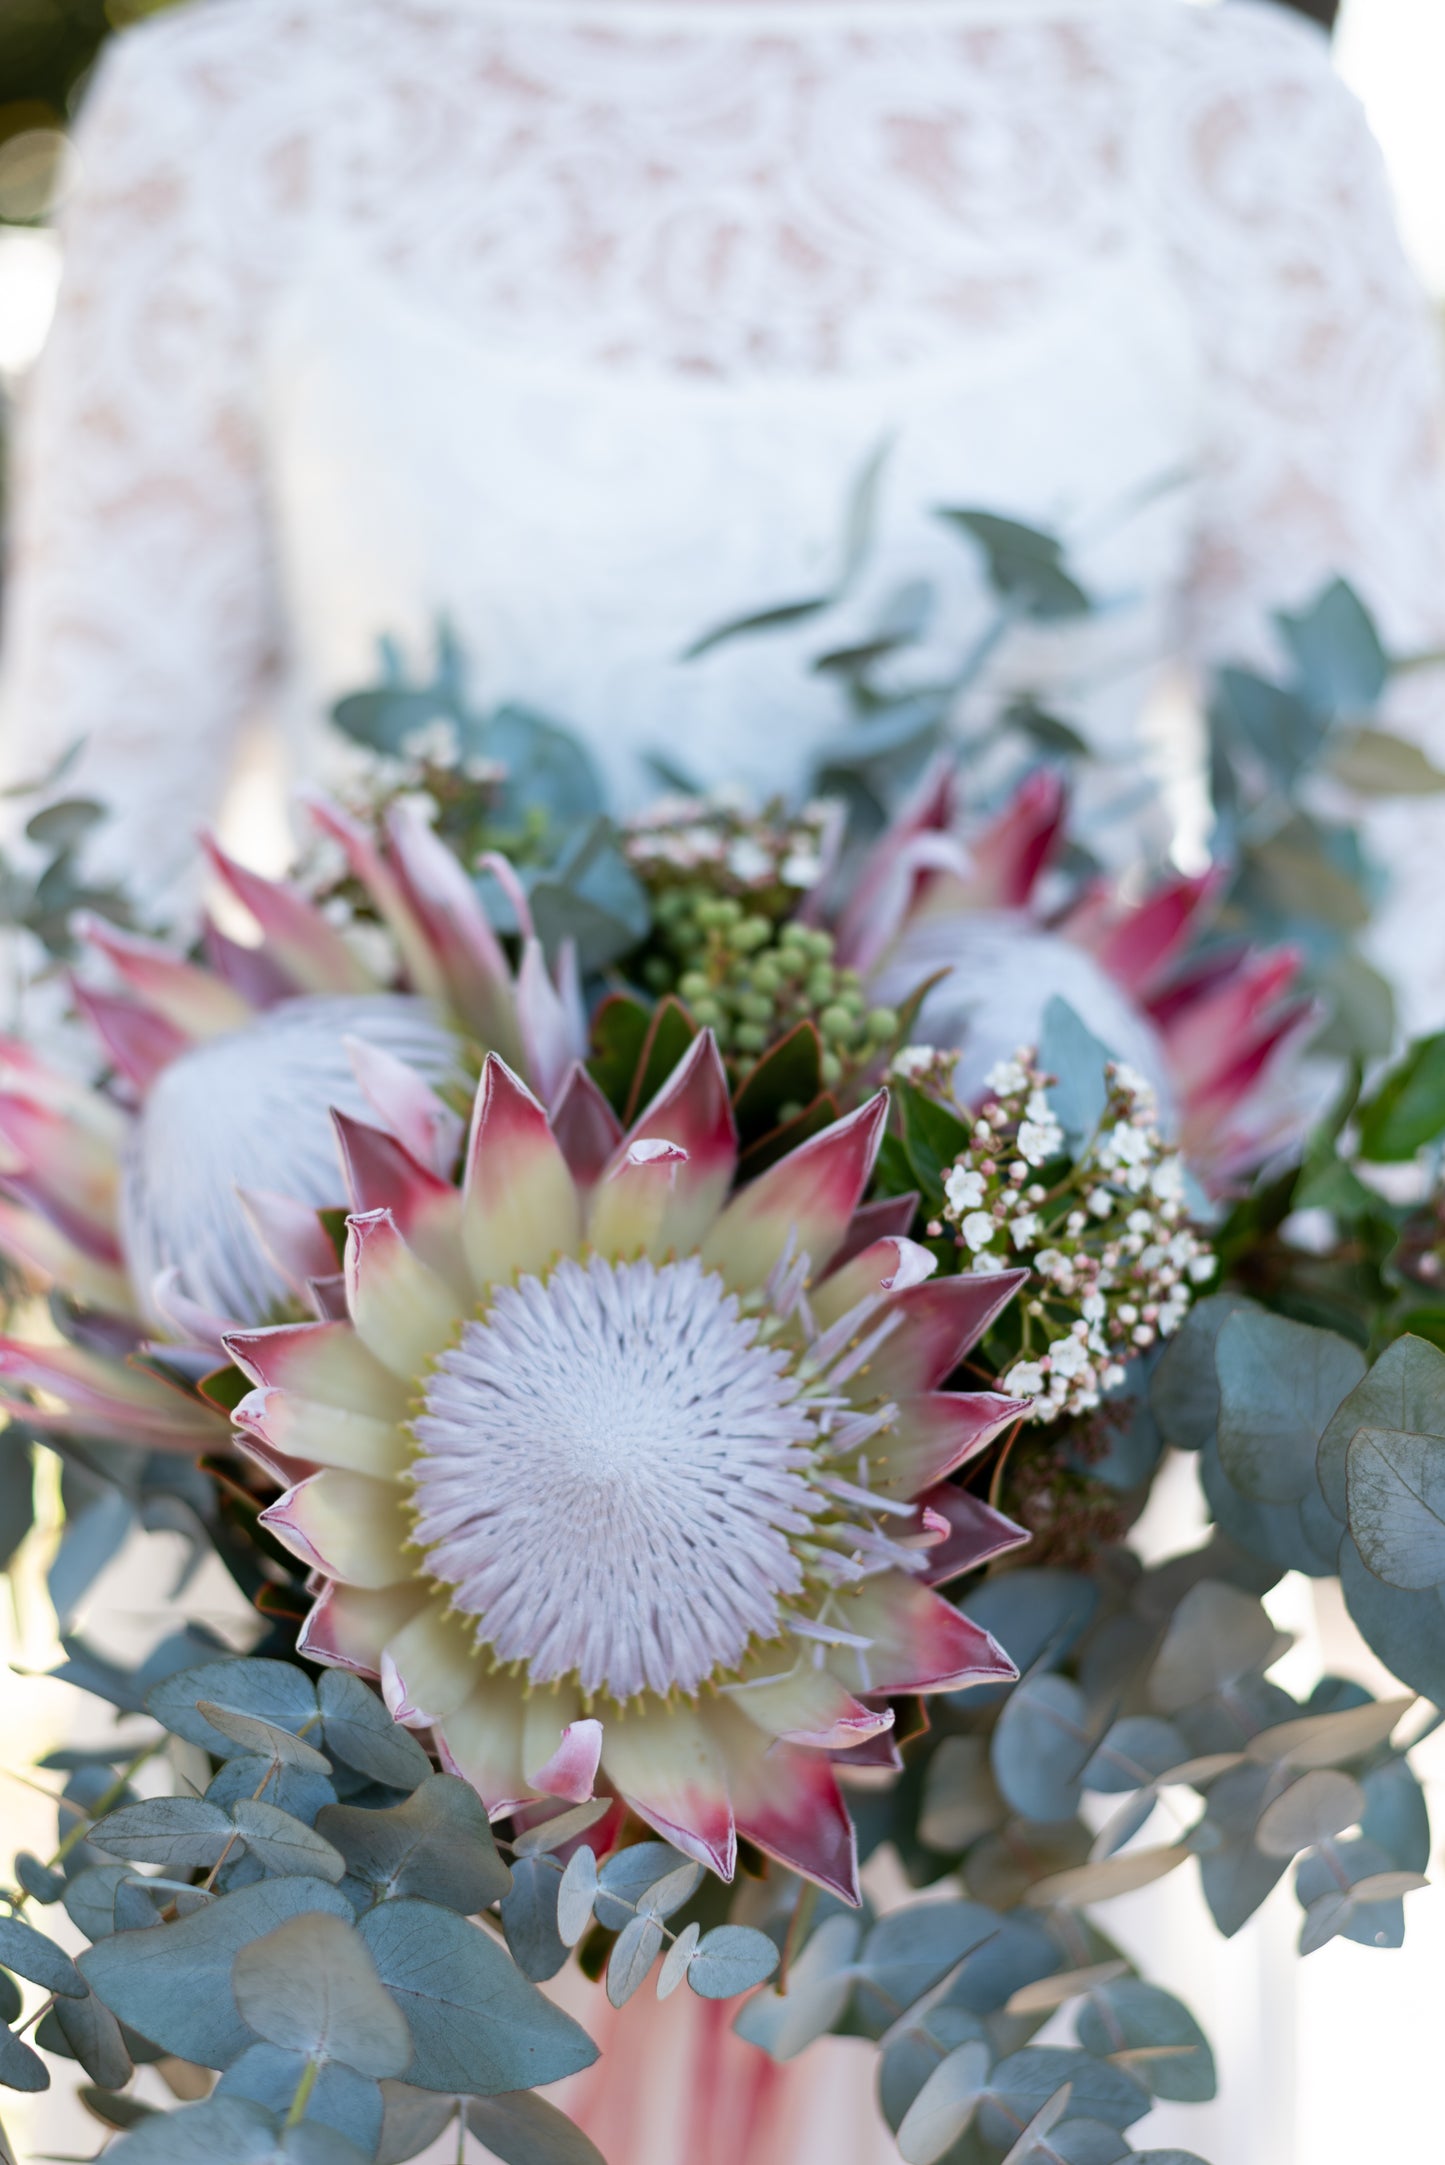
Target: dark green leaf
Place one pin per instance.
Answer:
(619, 1032)
(788, 1073)
(1025, 567)
(1408, 1109)
(437, 1845)
(476, 2022)
(669, 1035)
(20, 2068)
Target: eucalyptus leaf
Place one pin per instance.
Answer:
(340, 2096)
(638, 1946)
(412, 2120)
(94, 2036)
(679, 1955)
(358, 1730)
(235, 2130)
(476, 2023)
(1280, 1384)
(1069, 1050)
(819, 1984)
(264, 1739)
(1407, 1111)
(1323, 1740)
(561, 1828)
(629, 1876)
(575, 1896)
(1376, 763)
(1031, 2147)
(1216, 1636)
(732, 1958)
(911, 1950)
(184, 1831)
(284, 1845)
(20, 2068)
(1320, 1804)
(274, 1691)
(1184, 1388)
(1151, 2034)
(437, 1845)
(1026, 2080)
(312, 1986)
(1041, 1746)
(945, 2106)
(1339, 662)
(173, 1985)
(30, 1954)
(529, 1918)
(1102, 1880)
(525, 2130)
(1395, 1486)
(1404, 1393)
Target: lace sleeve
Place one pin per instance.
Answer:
(139, 609)
(1324, 388)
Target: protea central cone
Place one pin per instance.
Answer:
(614, 1476)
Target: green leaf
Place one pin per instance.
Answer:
(64, 826)
(274, 1691)
(94, 2036)
(529, 1917)
(359, 1731)
(1406, 1630)
(526, 2130)
(945, 2106)
(233, 2130)
(1408, 1110)
(1268, 722)
(436, 1845)
(1320, 1804)
(30, 1954)
(312, 1986)
(17, 1491)
(340, 2097)
(1376, 763)
(790, 1072)
(172, 1984)
(476, 2023)
(20, 2068)
(1339, 662)
(1280, 1384)
(669, 1035)
(638, 1945)
(285, 1846)
(732, 1958)
(181, 1831)
(619, 1032)
(1025, 566)
(1396, 1499)
(265, 1739)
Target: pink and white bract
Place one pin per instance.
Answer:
(616, 1476)
(1207, 1030)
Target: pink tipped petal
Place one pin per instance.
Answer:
(310, 952)
(693, 1109)
(140, 1042)
(936, 1433)
(661, 1761)
(325, 1361)
(193, 1324)
(974, 1534)
(408, 1106)
(1138, 945)
(371, 869)
(382, 1175)
(808, 1705)
(787, 1801)
(110, 1392)
(291, 1234)
(304, 1428)
(73, 1161)
(918, 1641)
(430, 1668)
(632, 1208)
(482, 1744)
(403, 1312)
(918, 843)
(1009, 855)
(346, 1525)
(588, 1131)
(349, 1626)
(888, 1266)
(521, 1205)
(550, 1017)
(250, 971)
(560, 1753)
(328, 1297)
(875, 1751)
(808, 1197)
(446, 904)
(890, 1218)
(32, 1239)
(938, 1324)
(192, 1000)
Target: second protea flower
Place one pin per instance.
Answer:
(615, 1476)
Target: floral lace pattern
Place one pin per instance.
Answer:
(741, 193)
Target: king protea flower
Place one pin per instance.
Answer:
(1208, 1030)
(614, 1476)
(181, 1180)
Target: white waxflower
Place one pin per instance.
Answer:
(1006, 1078)
(1040, 1140)
(1202, 1269)
(1024, 1380)
(1024, 1228)
(963, 1188)
(801, 868)
(978, 1229)
(748, 861)
(434, 744)
(1069, 1358)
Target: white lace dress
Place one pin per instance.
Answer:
(575, 320)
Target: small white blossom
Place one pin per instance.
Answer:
(978, 1229)
(964, 1189)
(434, 744)
(1024, 1228)
(1040, 1140)
(1006, 1078)
(1024, 1380)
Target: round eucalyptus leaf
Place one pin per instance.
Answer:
(1030, 2147)
(1324, 1740)
(1041, 1746)
(819, 1984)
(436, 1844)
(30, 1954)
(575, 1896)
(165, 1830)
(1280, 1384)
(340, 2097)
(1387, 1886)
(275, 1691)
(235, 2130)
(1403, 1393)
(1321, 1803)
(312, 1986)
(675, 1961)
(1217, 1635)
(945, 2106)
(623, 1881)
(1153, 2036)
(284, 1845)
(411, 2122)
(1088, 2142)
(731, 1959)
(637, 1948)
(672, 1890)
(267, 1739)
(523, 2129)
(529, 1918)
(359, 1730)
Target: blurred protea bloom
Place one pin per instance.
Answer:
(1208, 1027)
(616, 1477)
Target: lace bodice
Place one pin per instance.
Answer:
(575, 318)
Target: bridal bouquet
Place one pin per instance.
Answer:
(670, 1328)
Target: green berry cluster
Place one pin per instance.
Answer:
(751, 981)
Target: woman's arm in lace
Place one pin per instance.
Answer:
(1324, 388)
(138, 605)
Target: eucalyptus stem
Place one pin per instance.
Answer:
(303, 2093)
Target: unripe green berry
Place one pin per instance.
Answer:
(693, 985)
(831, 1068)
(882, 1024)
(836, 1023)
(754, 1007)
(706, 1013)
(750, 1037)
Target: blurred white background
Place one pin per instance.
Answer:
(1330, 2062)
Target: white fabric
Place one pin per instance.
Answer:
(577, 321)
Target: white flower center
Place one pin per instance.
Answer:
(611, 1469)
